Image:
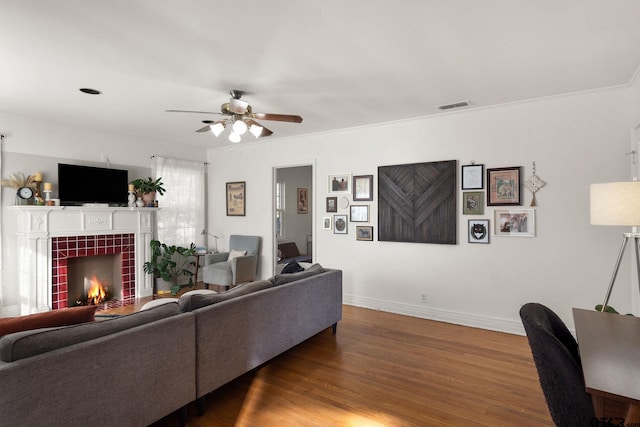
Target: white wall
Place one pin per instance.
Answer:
(33, 145)
(575, 140)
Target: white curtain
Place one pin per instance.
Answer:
(180, 218)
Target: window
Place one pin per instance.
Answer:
(280, 210)
(181, 216)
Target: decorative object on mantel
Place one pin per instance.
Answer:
(169, 262)
(147, 189)
(47, 194)
(131, 199)
(37, 198)
(25, 187)
(534, 183)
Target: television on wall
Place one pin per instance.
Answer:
(80, 185)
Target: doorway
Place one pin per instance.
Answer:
(293, 212)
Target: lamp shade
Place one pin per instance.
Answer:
(615, 203)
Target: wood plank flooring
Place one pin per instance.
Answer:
(384, 369)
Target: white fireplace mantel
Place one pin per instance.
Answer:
(38, 225)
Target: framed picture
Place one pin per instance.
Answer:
(332, 204)
(340, 224)
(359, 213)
(326, 223)
(340, 183)
(472, 203)
(364, 232)
(303, 200)
(503, 186)
(478, 231)
(515, 222)
(362, 188)
(472, 177)
(236, 197)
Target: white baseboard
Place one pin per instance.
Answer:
(465, 319)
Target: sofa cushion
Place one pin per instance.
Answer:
(281, 279)
(24, 344)
(48, 319)
(200, 300)
(185, 299)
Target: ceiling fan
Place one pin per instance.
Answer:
(239, 115)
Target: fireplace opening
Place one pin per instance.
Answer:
(94, 280)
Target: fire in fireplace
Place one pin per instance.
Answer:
(94, 279)
(95, 294)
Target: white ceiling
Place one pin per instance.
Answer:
(338, 64)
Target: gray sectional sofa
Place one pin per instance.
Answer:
(135, 369)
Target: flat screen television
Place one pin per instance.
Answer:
(78, 185)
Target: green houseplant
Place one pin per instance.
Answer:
(147, 188)
(169, 262)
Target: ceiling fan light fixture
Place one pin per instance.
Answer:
(234, 137)
(217, 128)
(239, 127)
(256, 130)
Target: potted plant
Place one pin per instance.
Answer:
(168, 263)
(147, 188)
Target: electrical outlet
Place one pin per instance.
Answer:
(104, 157)
(424, 297)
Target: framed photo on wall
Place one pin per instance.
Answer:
(515, 222)
(326, 223)
(472, 177)
(472, 203)
(364, 232)
(359, 213)
(236, 198)
(332, 204)
(340, 224)
(340, 183)
(303, 200)
(362, 188)
(478, 231)
(503, 186)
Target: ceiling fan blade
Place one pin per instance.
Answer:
(207, 128)
(189, 111)
(277, 117)
(265, 131)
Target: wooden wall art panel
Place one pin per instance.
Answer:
(417, 203)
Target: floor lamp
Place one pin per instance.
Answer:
(617, 203)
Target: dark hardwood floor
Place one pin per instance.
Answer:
(384, 369)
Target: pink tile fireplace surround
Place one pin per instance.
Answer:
(48, 237)
(64, 248)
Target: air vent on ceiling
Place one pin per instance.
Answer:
(454, 105)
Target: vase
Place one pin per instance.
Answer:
(139, 202)
(148, 198)
(164, 286)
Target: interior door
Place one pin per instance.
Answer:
(293, 209)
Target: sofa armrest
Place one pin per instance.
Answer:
(215, 258)
(244, 268)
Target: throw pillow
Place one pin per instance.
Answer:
(292, 267)
(235, 254)
(48, 319)
(281, 279)
(202, 300)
